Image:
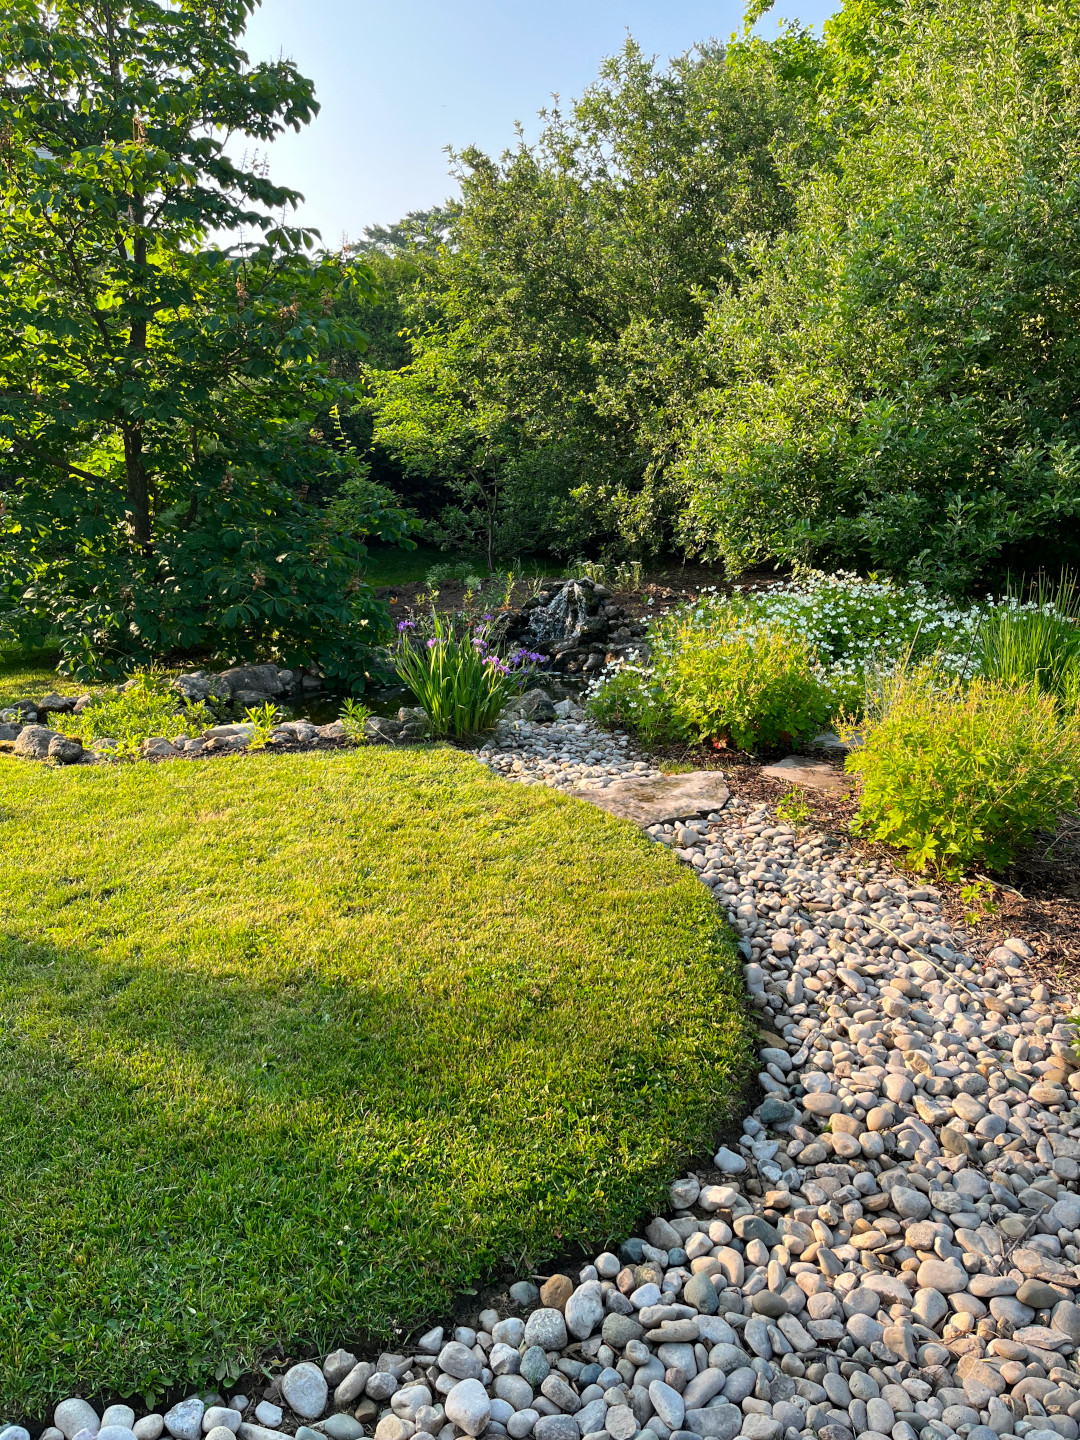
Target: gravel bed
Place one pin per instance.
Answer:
(572, 754)
(892, 1249)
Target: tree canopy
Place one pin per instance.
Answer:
(163, 349)
(803, 299)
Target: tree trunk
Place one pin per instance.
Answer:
(138, 488)
(137, 493)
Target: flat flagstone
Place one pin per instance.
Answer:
(802, 770)
(654, 802)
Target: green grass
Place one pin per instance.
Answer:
(295, 1048)
(30, 674)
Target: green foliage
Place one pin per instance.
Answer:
(262, 719)
(758, 686)
(1036, 644)
(354, 717)
(550, 332)
(146, 706)
(456, 675)
(157, 391)
(892, 384)
(636, 700)
(464, 572)
(961, 775)
(792, 808)
(303, 1046)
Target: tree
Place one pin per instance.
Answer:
(578, 272)
(157, 390)
(894, 385)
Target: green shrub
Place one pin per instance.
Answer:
(354, 717)
(456, 674)
(758, 686)
(959, 776)
(147, 707)
(636, 700)
(263, 719)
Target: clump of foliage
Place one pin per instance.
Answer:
(263, 719)
(354, 717)
(457, 675)
(146, 706)
(633, 698)
(1036, 644)
(157, 389)
(958, 775)
(757, 686)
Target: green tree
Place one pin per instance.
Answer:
(578, 272)
(894, 384)
(157, 390)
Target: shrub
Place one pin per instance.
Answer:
(147, 706)
(354, 717)
(636, 700)
(759, 686)
(456, 674)
(957, 775)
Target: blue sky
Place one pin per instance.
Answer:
(401, 79)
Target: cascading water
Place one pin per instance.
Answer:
(563, 618)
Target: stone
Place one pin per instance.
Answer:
(534, 1363)
(761, 1427)
(219, 1432)
(802, 770)
(684, 1193)
(32, 743)
(459, 1361)
(1038, 1294)
(515, 1390)
(668, 1404)
(946, 1276)
(468, 1406)
(555, 1291)
(213, 1418)
(157, 747)
(354, 1384)
(509, 1332)
(621, 1422)
(584, 1311)
(656, 802)
(124, 1432)
(184, 1420)
(728, 1161)
(124, 1416)
(618, 1331)
(556, 1427)
(269, 1414)
(336, 1366)
(910, 1204)
(304, 1390)
(547, 1328)
(720, 1422)
(342, 1427)
(1066, 1319)
(148, 1427)
(700, 1293)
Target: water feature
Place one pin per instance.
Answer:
(563, 617)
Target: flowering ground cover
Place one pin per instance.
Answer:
(298, 1047)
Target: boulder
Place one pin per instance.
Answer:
(252, 684)
(33, 742)
(65, 749)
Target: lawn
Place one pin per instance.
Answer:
(295, 1048)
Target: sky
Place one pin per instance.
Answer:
(399, 80)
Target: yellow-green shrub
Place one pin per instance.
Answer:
(961, 775)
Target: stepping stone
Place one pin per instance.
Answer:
(815, 774)
(655, 802)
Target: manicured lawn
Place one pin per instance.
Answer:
(294, 1048)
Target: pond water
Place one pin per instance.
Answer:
(325, 707)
